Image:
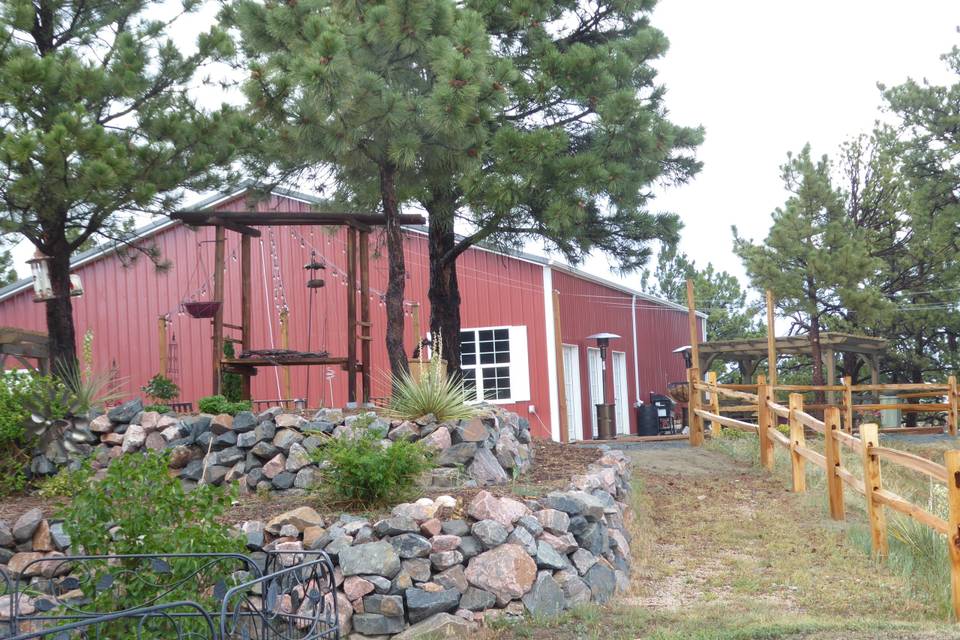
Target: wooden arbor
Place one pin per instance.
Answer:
(22, 345)
(358, 260)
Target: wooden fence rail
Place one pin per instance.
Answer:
(867, 446)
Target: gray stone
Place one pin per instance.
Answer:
(307, 478)
(406, 431)
(458, 454)
(485, 469)
(423, 604)
(247, 439)
(523, 538)
(545, 598)
(374, 624)
(283, 480)
(254, 477)
(126, 412)
(229, 456)
(441, 625)
(381, 584)
(385, 605)
(411, 545)
(311, 444)
(298, 458)
(244, 422)
(269, 414)
(445, 559)
(373, 558)
(553, 520)
(264, 450)
(583, 560)
(134, 438)
(456, 528)
(255, 533)
(59, 536)
(193, 470)
(323, 426)
(337, 545)
(216, 474)
(576, 503)
(548, 558)
(265, 431)
(6, 534)
(475, 599)
(472, 430)
(452, 578)
(396, 525)
(594, 538)
(418, 569)
(26, 524)
(470, 547)
(602, 582)
(285, 438)
(531, 524)
(490, 533)
(575, 590)
(224, 440)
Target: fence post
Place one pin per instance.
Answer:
(696, 422)
(798, 463)
(763, 423)
(831, 451)
(953, 415)
(714, 404)
(870, 437)
(951, 460)
(848, 404)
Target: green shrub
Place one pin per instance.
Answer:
(138, 508)
(219, 404)
(160, 387)
(231, 384)
(362, 470)
(67, 483)
(159, 408)
(431, 392)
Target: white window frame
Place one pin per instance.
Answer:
(518, 364)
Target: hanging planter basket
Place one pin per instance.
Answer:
(206, 309)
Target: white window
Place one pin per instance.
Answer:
(494, 363)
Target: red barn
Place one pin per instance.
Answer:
(511, 305)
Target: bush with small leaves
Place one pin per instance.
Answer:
(219, 404)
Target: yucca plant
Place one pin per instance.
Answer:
(90, 389)
(432, 392)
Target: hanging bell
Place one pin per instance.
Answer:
(313, 265)
(315, 283)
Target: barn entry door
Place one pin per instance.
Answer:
(574, 394)
(595, 378)
(620, 398)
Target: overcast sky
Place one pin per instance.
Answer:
(765, 77)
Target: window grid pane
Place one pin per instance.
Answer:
(485, 360)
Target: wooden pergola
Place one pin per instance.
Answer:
(750, 352)
(359, 226)
(22, 345)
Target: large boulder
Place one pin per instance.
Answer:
(373, 558)
(507, 572)
(506, 511)
(126, 412)
(545, 598)
(438, 627)
(301, 518)
(422, 604)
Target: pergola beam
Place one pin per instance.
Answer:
(287, 218)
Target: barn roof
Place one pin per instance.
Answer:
(101, 251)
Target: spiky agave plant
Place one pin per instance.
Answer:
(432, 392)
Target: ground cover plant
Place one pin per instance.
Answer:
(220, 404)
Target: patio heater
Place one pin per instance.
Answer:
(604, 409)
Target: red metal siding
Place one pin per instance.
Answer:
(588, 307)
(122, 303)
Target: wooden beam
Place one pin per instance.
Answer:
(831, 451)
(219, 265)
(797, 441)
(694, 329)
(351, 316)
(561, 386)
(236, 227)
(765, 420)
(162, 344)
(871, 483)
(246, 306)
(365, 324)
(695, 428)
(714, 404)
(951, 460)
(771, 342)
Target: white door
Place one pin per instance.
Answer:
(595, 378)
(620, 398)
(574, 394)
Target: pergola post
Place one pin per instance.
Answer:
(771, 342)
(830, 362)
(218, 269)
(246, 305)
(365, 324)
(351, 316)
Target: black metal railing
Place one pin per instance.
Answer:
(221, 596)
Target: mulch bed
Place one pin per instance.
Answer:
(554, 464)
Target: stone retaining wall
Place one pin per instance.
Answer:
(273, 450)
(436, 565)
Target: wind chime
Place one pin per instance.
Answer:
(314, 282)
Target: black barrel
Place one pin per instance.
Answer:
(648, 422)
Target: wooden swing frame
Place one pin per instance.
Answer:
(358, 227)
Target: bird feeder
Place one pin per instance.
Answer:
(313, 266)
(42, 287)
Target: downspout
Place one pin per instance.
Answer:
(636, 360)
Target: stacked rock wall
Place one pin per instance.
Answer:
(436, 565)
(273, 450)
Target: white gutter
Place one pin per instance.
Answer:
(636, 359)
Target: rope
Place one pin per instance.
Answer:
(266, 296)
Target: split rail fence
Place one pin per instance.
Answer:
(760, 400)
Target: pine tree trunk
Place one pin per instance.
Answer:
(60, 329)
(397, 272)
(444, 291)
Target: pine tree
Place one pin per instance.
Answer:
(388, 94)
(8, 275)
(814, 259)
(97, 124)
(571, 159)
